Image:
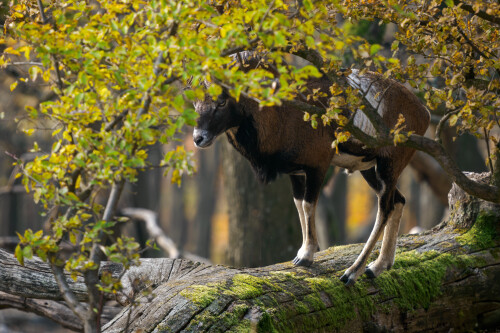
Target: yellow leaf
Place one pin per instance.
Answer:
(26, 49)
(11, 50)
(13, 86)
(453, 120)
(46, 75)
(56, 131)
(72, 238)
(224, 30)
(77, 183)
(67, 136)
(29, 132)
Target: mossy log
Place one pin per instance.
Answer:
(446, 278)
(443, 279)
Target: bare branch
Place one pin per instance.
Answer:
(91, 277)
(482, 14)
(237, 49)
(150, 219)
(68, 295)
(56, 311)
(486, 192)
(431, 172)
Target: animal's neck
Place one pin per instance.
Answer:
(245, 139)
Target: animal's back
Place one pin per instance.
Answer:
(390, 98)
(287, 143)
(284, 129)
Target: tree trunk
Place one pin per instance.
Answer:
(264, 225)
(207, 194)
(444, 279)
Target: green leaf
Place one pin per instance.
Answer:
(78, 99)
(374, 48)
(19, 254)
(28, 252)
(147, 134)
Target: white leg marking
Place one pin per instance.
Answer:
(358, 268)
(300, 210)
(388, 251)
(310, 241)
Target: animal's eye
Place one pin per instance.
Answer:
(222, 103)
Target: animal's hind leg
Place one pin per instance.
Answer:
(385, 259)
(385, 192)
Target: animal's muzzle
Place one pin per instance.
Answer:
(202, 138)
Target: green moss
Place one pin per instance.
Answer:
(218, 318)
(314, 301)
(247, 286)
(300, 307)
(201, 295)
(482, 234)
(416, 278)
(413, 258)
(318, 302)
(244, 326)
(234, 316)
(283, 276)
(265, 324)
(346, 303)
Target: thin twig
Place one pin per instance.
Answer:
(442, 122)
(21, 63)
(271, 5)
(54, 59)
(67, 294)
(487, 140)
(92, 276)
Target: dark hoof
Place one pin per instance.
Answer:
(370, 273)
(302, 262)
(347, 280)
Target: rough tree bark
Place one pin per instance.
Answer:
(447, 278)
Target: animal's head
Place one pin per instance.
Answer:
(215, 117)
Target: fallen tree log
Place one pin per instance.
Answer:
(443, 279)
(446, 278)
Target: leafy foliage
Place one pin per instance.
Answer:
(118, 70)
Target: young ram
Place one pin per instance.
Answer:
(276, 140)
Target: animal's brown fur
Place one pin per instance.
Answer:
(277, 140)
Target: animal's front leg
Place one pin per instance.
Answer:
(305, 197)
(299, 190)
(310, 240)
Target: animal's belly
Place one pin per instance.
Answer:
(352, 163)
